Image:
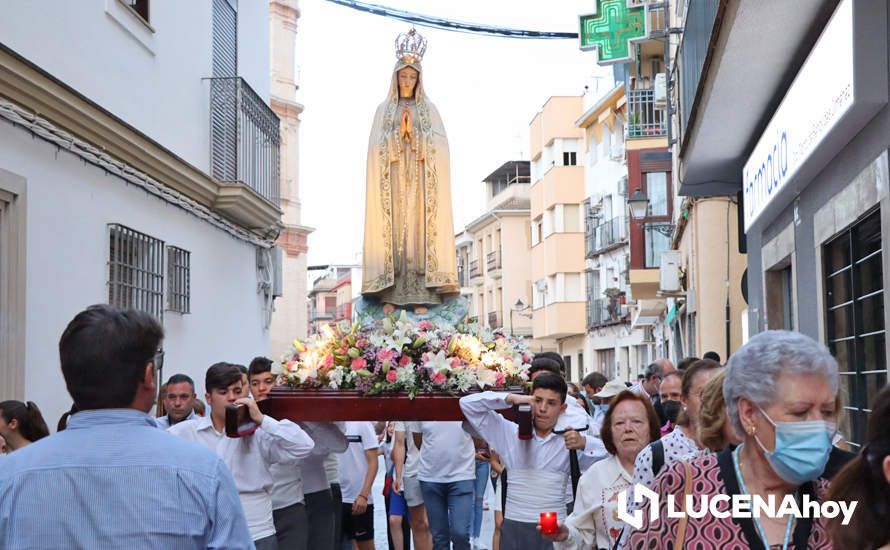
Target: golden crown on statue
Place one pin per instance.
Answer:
(410, 46)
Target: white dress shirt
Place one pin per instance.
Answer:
(163, 422)
(537, 469)
(594, 521)
(289, 479)
(328, 438)
(249, 458)
(576, 417)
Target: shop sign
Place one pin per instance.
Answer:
(820, 96)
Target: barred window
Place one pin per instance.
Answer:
(178, 280)
(135, 270)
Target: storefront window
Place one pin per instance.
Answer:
(854, 303)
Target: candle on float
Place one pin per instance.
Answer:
(549, 524)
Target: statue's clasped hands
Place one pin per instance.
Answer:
(406, 130)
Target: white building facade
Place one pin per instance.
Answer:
(138, 166)
(613, 347)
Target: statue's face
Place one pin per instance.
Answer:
(407, 81)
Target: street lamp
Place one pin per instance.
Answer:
(638, 203)
(518, 307)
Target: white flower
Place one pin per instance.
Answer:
(336, 376)
(406, 375)
(485, 377)
(489, 359)
(438, 362)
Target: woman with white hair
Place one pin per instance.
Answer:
(780, 391)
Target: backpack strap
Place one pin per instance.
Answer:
(503, 477)
(657, 457)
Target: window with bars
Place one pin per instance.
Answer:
(854, 311)
(178, 280)
(135, 270)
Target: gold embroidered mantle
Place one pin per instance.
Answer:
(409, 255)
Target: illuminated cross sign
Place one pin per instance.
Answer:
(613, 30)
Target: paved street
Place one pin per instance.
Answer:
(380, 515)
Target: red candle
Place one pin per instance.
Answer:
(549, 524)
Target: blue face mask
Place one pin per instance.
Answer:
(604, 408)
(802, 449)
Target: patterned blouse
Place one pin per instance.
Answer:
(714, 474)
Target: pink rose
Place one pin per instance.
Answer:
(500, 379)
(385, 355)
(358, 363)
(329, 360)
(455, 362)
(404, 361)
(362, 343)
(391, 375)
(438, 378)
(526, 358)
(425, 358)
(424, 325)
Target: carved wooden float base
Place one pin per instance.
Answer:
(329, 405)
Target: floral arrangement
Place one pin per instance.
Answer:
(397, 354)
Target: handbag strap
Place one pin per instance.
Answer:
(687, 490)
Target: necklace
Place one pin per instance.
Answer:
(790, 522)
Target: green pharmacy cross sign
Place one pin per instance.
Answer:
(613, 30)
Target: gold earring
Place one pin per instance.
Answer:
(751, 429)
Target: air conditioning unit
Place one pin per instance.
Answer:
(660, 91)
(669, 273)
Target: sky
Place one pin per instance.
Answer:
(487, 90)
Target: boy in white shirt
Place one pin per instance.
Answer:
(293, 483)
(538, 468)
(248, 458)
(447, 477)
(358, 468)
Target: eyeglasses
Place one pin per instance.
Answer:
(158, 359)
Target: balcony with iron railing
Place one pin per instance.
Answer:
(322, 315)
(691, 53)
(605, 236)
(493, 263)
(644, 120)
(475, 271)
(605, 311)
(244, 138)
(494, 319)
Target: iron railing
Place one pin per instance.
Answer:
(691, 54)
(475, 269)
(493, 260)
(605, 235)
(244, 137)
(643, 119)
(604, 311)
(462, 278)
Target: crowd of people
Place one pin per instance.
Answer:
(764, 424)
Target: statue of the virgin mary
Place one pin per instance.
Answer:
(409, 257)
